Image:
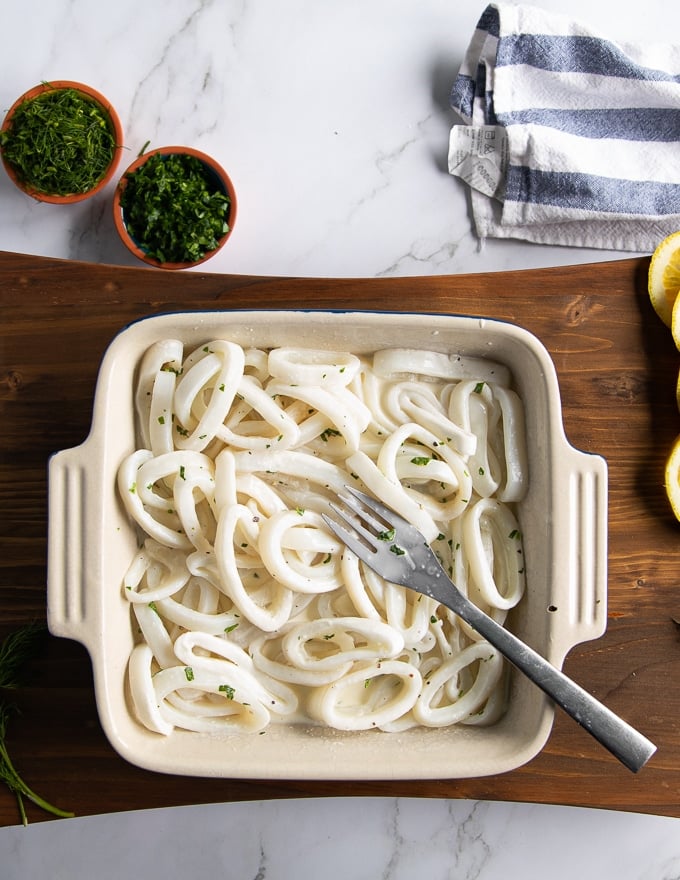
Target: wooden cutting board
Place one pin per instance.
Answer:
(617, 367)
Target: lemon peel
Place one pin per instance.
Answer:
(672, 478)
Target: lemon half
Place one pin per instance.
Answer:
(664, 277)
(672, 478)
(675, 322)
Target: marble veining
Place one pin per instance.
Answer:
(332, 118)
(333, 121)
(358, 838)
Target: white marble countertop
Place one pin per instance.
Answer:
(332, 117)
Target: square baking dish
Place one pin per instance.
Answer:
(563, 519)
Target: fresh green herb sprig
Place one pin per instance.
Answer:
(59, 143)
(16, 649)
(173, 208)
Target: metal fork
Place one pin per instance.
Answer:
(399, 553)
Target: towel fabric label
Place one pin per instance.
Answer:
(478, 154)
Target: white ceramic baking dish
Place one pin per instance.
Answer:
(563, 520)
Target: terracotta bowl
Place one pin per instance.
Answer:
(217, 177)
(116, 127)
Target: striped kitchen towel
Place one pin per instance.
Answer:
(569, 138)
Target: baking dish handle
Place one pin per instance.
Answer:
(71, 609)
(581, 496)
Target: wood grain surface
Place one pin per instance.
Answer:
(617, 366)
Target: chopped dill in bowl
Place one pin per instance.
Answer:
(59, 142)
(174, 207)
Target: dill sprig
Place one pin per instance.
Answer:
(16, 649)
(60, 142)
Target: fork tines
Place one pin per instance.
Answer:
(366, 529)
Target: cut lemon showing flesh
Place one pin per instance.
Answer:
(664, 277)
(672, 478)
(675, 322)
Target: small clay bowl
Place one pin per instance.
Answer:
(218, 180)
(116, 129)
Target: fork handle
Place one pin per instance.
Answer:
(615, 734)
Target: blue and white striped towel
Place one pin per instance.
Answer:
(569, 138)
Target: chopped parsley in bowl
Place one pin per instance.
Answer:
(174, 207)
